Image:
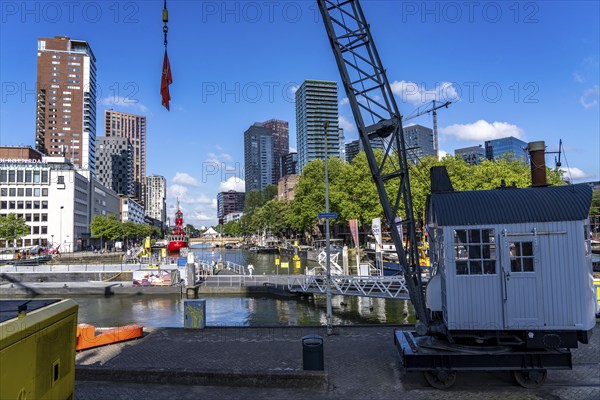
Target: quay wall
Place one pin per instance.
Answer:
(126, 276)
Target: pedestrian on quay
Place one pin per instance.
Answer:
(250, 269)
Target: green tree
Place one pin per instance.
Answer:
(595, 208)
(13, 228)
(106, 227)
(232, 229)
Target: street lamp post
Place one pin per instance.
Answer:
(327, 237)
(60, 227)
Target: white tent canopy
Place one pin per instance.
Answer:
(210, 232)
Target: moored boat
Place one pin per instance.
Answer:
(178, 239)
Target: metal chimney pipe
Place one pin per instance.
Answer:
(537, 152)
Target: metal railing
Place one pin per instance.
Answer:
(367, 286)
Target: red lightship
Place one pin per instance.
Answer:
(178, 239)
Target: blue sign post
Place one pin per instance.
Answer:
(327, 215)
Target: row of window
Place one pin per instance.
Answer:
(23, 176)
(24, 192)
(23, 205)
(34, 217)
(475, 253)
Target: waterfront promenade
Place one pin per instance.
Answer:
(266, 363)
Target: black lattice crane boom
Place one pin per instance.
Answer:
(376, 115)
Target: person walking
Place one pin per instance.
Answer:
(250, 269)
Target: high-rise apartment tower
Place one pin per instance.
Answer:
(316, 104)
(132, 127)
(66, 100)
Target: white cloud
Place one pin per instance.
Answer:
(577, 77)
(345, 124)
(182, 178)
(179, 192)
(575, 173)
(219, 148)
(232, 183)
(344, 101)
(483, 130)
(293, 150)
(442, 153)
(219, 157)
(294, 89)
(417, 94)
(590, 97)
(124, 102)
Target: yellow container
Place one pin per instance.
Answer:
(597, 287)
(37, 352)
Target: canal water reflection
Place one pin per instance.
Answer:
(167, 311)
(264, 264)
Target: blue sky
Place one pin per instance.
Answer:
(526, 69)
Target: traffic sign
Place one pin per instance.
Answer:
(328, 215)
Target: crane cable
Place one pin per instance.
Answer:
(165, 18)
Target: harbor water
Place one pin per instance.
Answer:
(166, 310)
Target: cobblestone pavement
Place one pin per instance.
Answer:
(360, 363)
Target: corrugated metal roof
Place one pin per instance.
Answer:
(511, 206)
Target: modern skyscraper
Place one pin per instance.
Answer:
(316, 103)
(114, 164)
(281, 143)
(289, 164)
(258, 157)
(352, 150)
(132, 127)
(66, 100)
(472, 155)
(156, 198)
(419, 142)
(499, 147)
(229, 202)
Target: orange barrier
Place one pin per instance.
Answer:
(88, 336)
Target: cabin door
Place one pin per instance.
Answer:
(521, 277)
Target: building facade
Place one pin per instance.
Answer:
(497, 148)
(285, 187)
(19, 153)
(53, 199)
(233, 217)
(472, 155)
(258, 157)
(419, 142)
(352, 150)
(289, 164)
(354, 147)
(132, 127)
(316, 104)
(229, 202)
(66, 100)
(114, 164)
(131, 210)
(57, 200)
(156, 198)
(281, 144)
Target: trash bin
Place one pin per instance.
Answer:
(312, 353)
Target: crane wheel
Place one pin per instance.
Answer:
(441, 379)
(531, 378)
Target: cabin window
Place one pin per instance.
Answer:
(475, 251)
(521, 257)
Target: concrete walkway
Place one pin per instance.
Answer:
(259, 363)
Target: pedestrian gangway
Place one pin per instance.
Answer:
(391, 287)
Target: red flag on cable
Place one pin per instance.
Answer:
(165, 81)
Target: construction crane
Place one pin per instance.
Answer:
(430, 107)
(376, 114)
